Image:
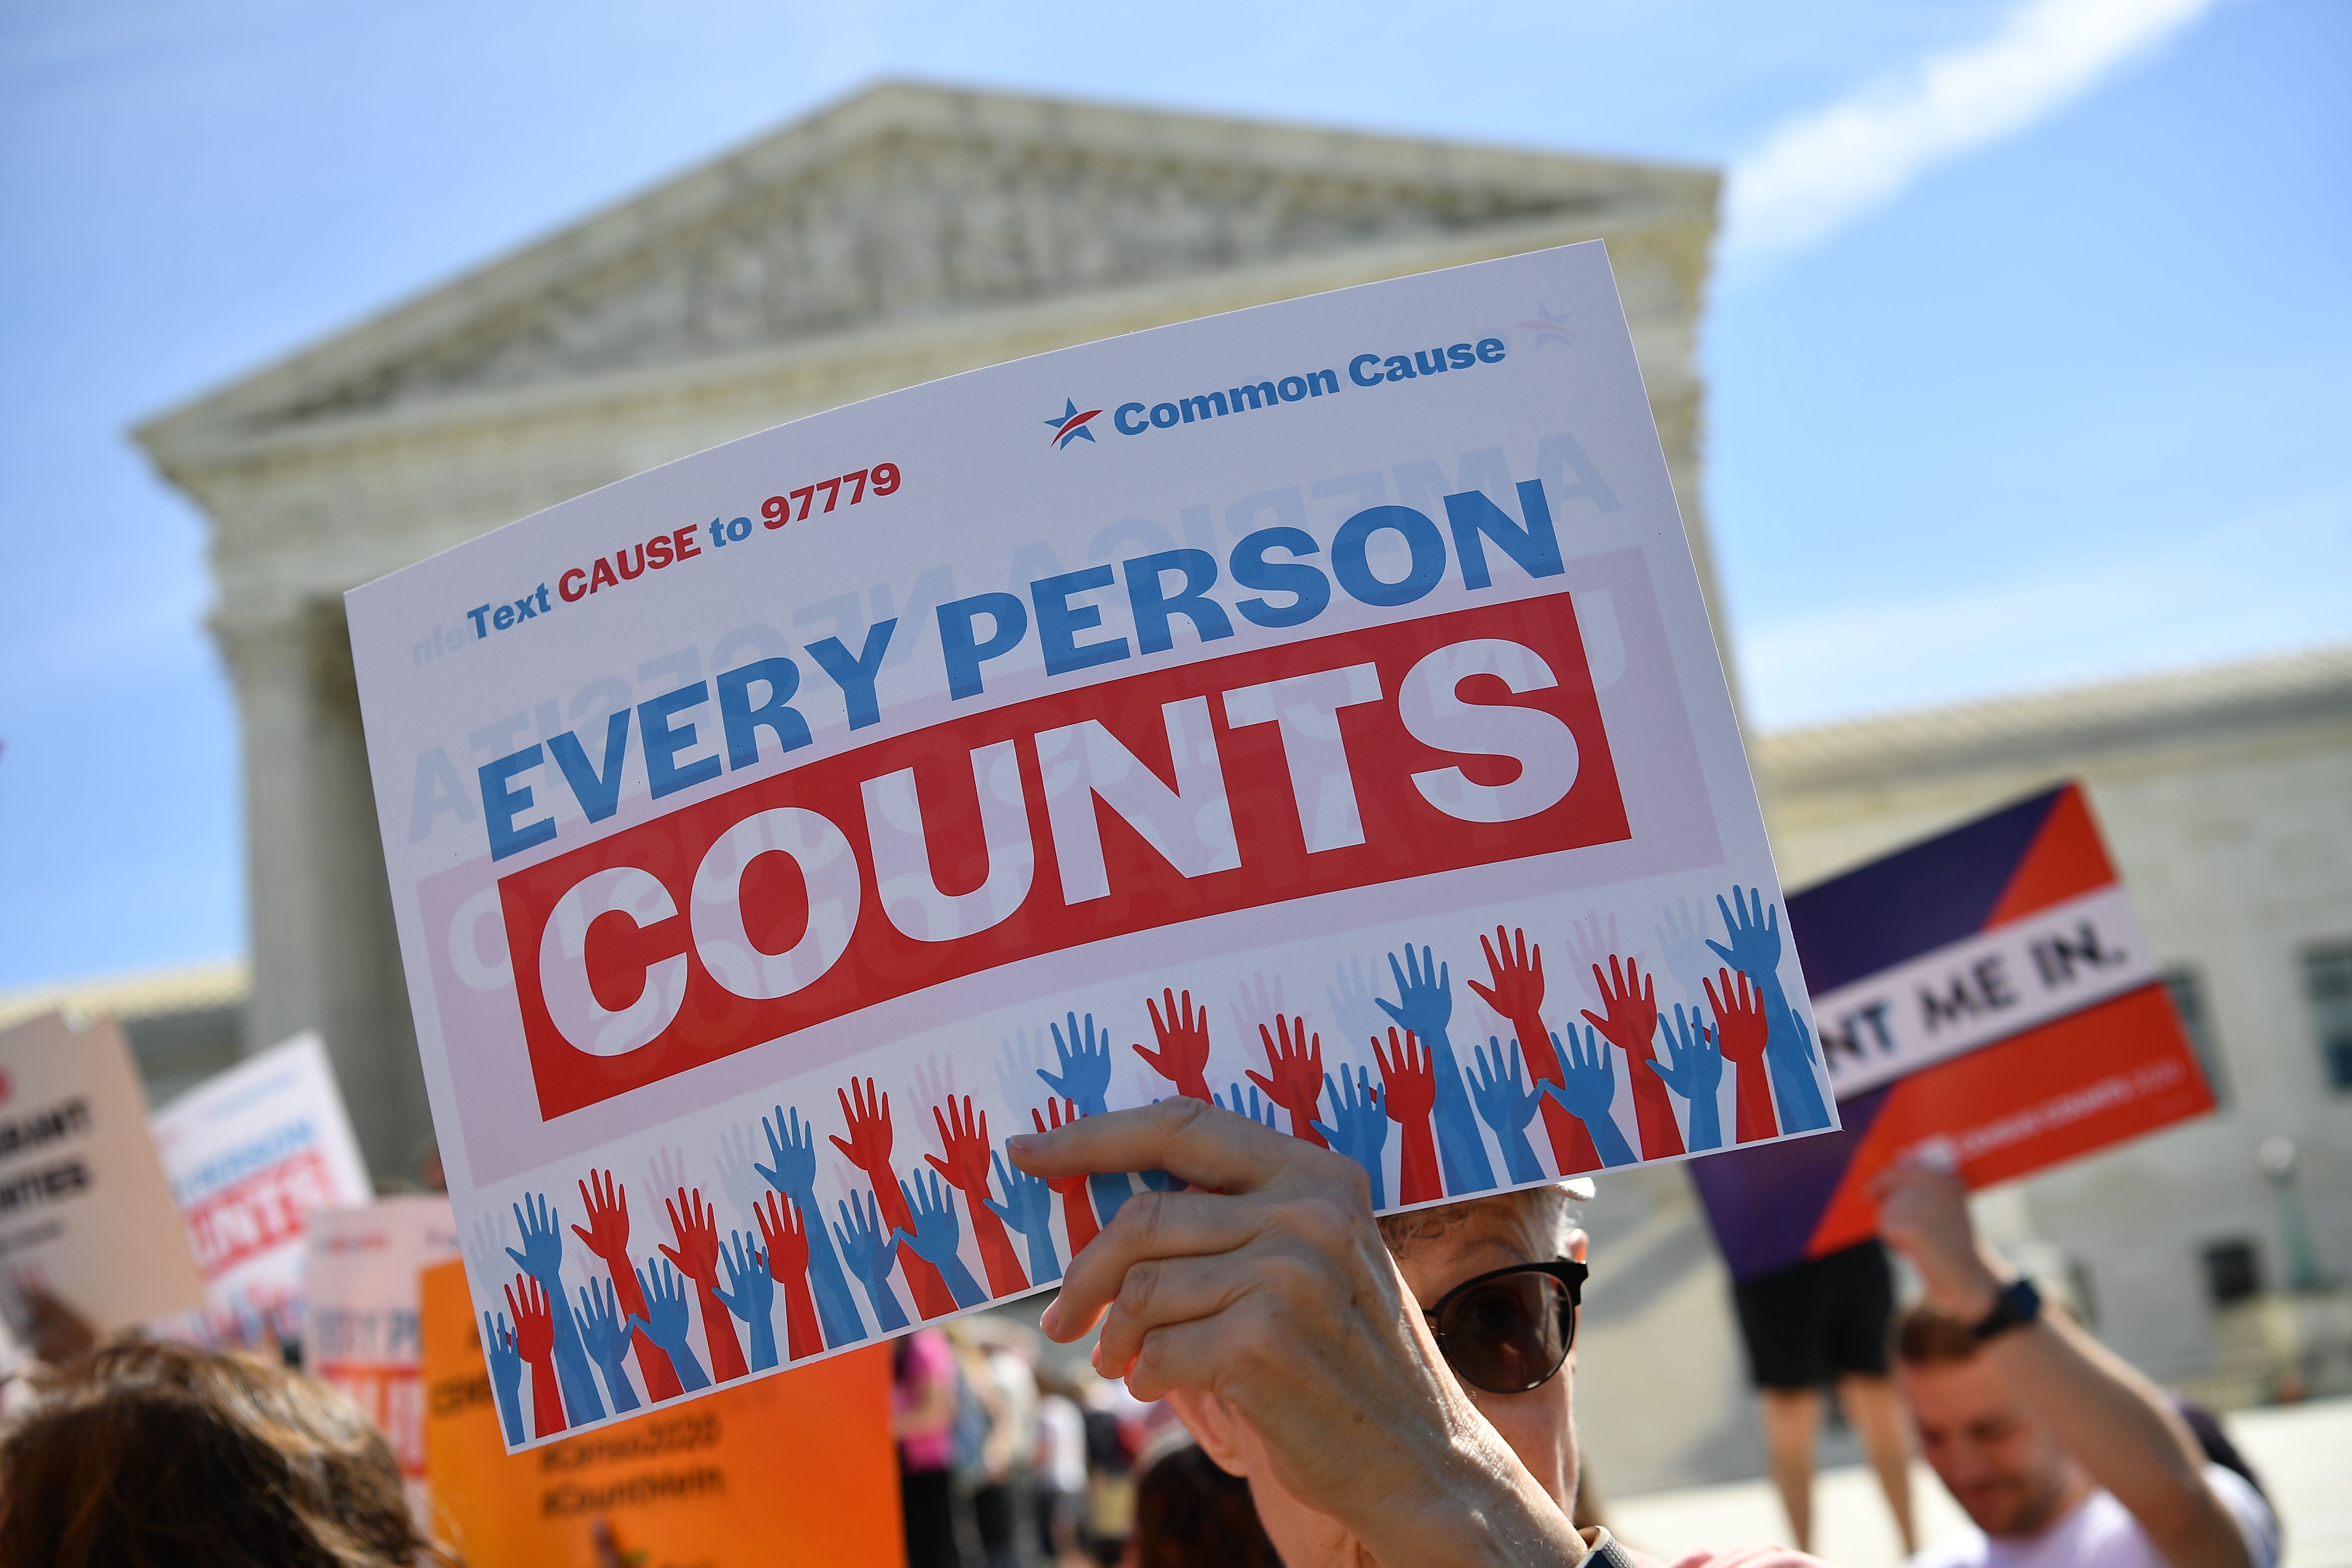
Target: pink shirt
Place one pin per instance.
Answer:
(930, 1362)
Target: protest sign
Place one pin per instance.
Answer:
(252, 1153)
(1987, 1005)
(797, 821)
(362, 1333)
(85, 1212)
(798, 1469)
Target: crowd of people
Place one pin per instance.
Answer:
(1277, 1376)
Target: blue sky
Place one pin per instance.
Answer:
(2027, 349)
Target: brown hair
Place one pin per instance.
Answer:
(1926, 1336)
(150, 1454)
(1190, 1514)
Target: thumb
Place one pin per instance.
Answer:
(1266, 1085)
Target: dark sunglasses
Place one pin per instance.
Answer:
(1509, 1330)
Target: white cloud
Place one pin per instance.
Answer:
(1817, 171)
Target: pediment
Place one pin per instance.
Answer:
(907, 203)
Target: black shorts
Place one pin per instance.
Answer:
(1814, 1322)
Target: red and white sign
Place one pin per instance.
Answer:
(1178, 714)
(364, 1333)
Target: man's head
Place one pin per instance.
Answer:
(1436, 1249)
(2005, 1469)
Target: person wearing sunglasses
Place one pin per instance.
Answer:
(1394, 1390)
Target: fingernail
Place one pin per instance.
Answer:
(1050, 1319)
(1020, 1142)
(1096, 1358)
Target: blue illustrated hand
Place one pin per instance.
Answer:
(1028, 1208)
(791, 1144)
(542, 1257)
(1259, 1109)
(752, 1297)
(1359, 1126)
(608, 1338)
(1755, 949)
(1695, 1074)
(506, 1373)
(1591, 1090)
(665, 1320)
(1424, 1006)
(871, 1257)
(1085, 1069)
(1789, 1055)
(1506, 1105)
(937, 1234)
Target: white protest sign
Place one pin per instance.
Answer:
(252, 1153)
(1175, 715)
(362, 1333)
(85, 1213)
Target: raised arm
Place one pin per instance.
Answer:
(2116, 1424)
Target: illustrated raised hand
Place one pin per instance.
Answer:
(664, 1320)
(868, 1120)
(1358, 1127)
(784, 1233)
(1632, 1026)
(870, 1255)
(1590, 1088)
(735, 1164)
(1077, 1207)
(1697, 1073)
(936, 1236)
(791, 1144)
(1351, 995)
(1741, 1033)
(1259, 1109)
(1789, 1052)
(1408, 1092)
(1085, 1058)
(542, 1257)
(1507, 1106)
(1028, 1207)
(606, 1202)
(964, 1135)
(607, 1336)
(1423, 1008)
(534, 1342)
(1182, 1058)
(1517, 993)
(751, 1292)
(506, 1373)
(1297, 1064)
(1754, 932)
(1683, 943)
(1516, 972)
(1593, 937)
(695, 1255)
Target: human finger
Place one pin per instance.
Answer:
(1160, 1292)
(1160, 1225)
(1205, 1146)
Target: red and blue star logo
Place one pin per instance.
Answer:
(1070, 425)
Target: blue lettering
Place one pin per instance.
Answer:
(502, 802)
(599, 797)
(1355, 573)
(855, 676)
(1168, 409)
(1310, 590)
(1059, 622)
(1460, 357)
(1119, 419)
(1292, 388)
(1399, 368)
(743, 722)
(1494, 343)
(1429, 363)
(1535, 547)
(663, 743)
(480, 631)
(1152, 606)
(1356, 371)
(1323, 381)
(1008, 624)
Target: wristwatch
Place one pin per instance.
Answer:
(2015, 1307)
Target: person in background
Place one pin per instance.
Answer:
(2060, 1453)
(923, 1402)
(1190, 1514)
(1061, 1469)
(160, 1453)
(1818, 1324)
(1396, 1389)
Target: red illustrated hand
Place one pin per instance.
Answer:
(1741, 1029)
(695, 1225)
(868, 1120)
(784, 1233)
(1407, 1090)
(535, 1338)
(1632, 1026)
(1183, 1055)
(1077, 1203)
(1297, 1082)
(607, 1236)
(965, 1137)
(1517, 969)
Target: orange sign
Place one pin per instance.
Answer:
(798, 1469)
